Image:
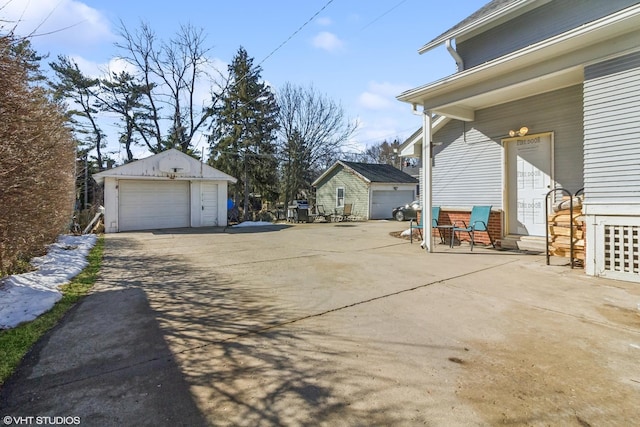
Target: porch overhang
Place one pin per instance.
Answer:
(549, 65)
(412, 146)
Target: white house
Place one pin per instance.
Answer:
(545, 96)
(166, 190)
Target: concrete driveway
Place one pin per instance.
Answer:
(334, 324)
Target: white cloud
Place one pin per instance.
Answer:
(117, 65)
(378, 129)
(328, 41)
(380, 96)
(68, 22)
(324, 21)
(373, 101)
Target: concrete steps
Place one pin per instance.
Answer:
(524, 243)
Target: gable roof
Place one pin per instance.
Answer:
(171, 164)
(371, 172)
(490, 12)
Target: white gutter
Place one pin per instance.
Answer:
(456, 56)
(624, 21)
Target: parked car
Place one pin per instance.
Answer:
(406, 212)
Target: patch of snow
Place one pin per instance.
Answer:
(252, 224)
(23, 297)
(406, 232)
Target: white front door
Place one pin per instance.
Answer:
(209, 199)
(529, 174)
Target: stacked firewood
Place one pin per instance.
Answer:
(561, 220)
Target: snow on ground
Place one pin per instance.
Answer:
(23, 297)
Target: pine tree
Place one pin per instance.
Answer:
(123, 95)
(243, 140)
(80, 91)
(297, 172)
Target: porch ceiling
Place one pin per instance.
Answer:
(464, 109)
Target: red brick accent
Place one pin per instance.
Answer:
(460, 218)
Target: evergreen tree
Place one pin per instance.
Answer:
(243, 140)
(123, 95)
(297, 172)
(80, 91)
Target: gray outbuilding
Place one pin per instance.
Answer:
(373, 190)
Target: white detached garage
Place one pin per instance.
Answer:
(166, 190)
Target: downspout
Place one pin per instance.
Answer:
(456, 56)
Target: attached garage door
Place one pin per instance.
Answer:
(384, 201)
(147, 205)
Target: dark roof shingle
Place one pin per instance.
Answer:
(381, 173)
(487, 9)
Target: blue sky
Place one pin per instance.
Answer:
(360, 53)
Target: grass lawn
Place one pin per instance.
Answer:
(16, 342)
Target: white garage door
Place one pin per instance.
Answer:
(145, 205)
(383, 202)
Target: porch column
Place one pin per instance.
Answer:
(425, 191)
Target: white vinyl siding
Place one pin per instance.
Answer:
(533, 26)
(611, 117)
(468, 167)
(153, 204)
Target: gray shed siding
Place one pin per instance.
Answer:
(356, 191)
(468, 166)
(548, 20)
(611, 141)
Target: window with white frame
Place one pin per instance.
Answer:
(339, 197)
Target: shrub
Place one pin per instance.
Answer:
(37, 157)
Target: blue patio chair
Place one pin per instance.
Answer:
(479, 221)
(435, 213)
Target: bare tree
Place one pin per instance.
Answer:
(171, 72)
(313, 129)
(384, 153)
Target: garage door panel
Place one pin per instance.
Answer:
(384, 201)
(153, 204)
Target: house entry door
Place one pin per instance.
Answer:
(529, 175)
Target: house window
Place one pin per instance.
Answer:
(340, 197)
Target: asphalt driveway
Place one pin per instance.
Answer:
(334, 324)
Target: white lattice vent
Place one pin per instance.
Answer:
(622, 248)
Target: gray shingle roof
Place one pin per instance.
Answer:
(380, 173)
(486, 10)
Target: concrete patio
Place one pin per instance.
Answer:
(334, 324)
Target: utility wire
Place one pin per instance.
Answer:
(296, 31)
(383, 15)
